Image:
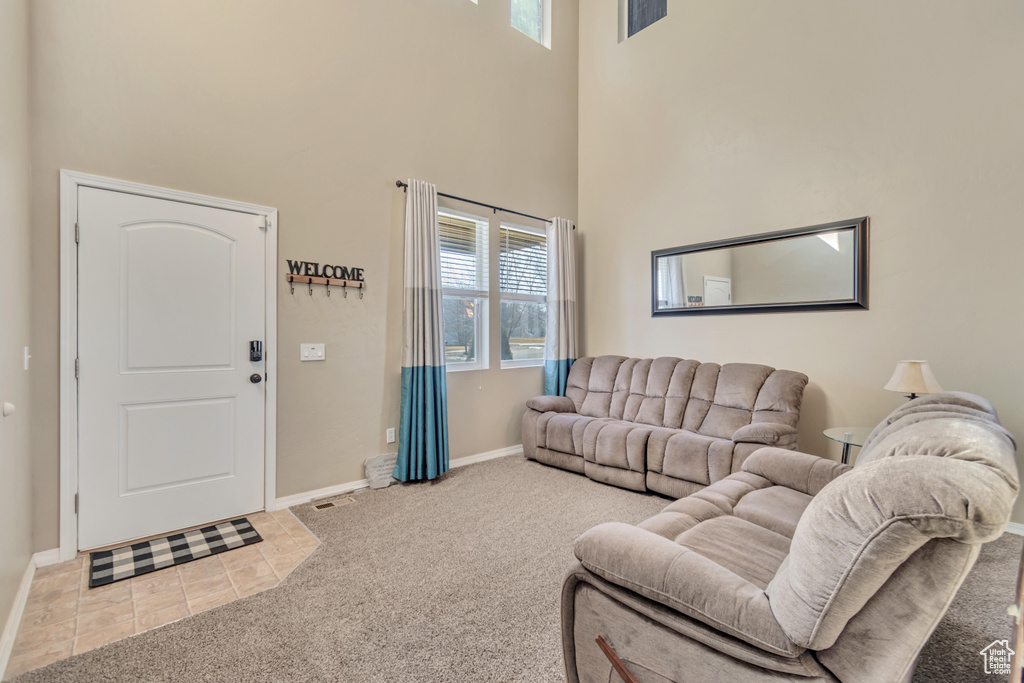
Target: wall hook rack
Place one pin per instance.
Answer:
(327, 282)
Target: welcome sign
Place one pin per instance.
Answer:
(311, 269)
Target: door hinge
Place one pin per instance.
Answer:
(264, 223)
(76, 368)
(76, 232)
(76, 503)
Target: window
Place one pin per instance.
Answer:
(636, 15)
(523, 280)
(464, 289)
(533, 17)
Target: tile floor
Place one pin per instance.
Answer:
(64, 616)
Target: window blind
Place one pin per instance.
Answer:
(523, 262)
(643, 13)
(463, 253)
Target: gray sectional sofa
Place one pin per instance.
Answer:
(667, 425)
(799, 568)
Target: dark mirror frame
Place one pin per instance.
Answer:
(860, 271)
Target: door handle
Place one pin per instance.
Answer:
(255, 378)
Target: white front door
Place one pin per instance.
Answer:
(717, 291)
(171, 425)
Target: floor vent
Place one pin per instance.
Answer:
(334, 503)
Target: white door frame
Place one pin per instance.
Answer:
(70, 181)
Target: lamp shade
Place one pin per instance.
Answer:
(913, 377)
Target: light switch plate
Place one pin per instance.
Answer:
(308, 352)
(391, 435)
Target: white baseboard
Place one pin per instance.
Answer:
(341, 489)
(47, 557)
(489, 455)
(329, 492)
(1015, 528)
(14, 619)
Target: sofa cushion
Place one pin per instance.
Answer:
(558, 404)
(623, 380)
(952, 403)
(723, 421)
(685, 455)
(777, 508)
(578, 381)
(654, 392)
(564, 431)
(780, 398)
(749, 497)
(714, 501)
(801, 472)
(598, 401)
(632, 390)
(746, 549)
(739, 385)
(616, 443)
(767, 434)
(678, 394)
(702, 396)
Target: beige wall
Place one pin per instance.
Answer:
(800, 269)
(738, 116)
(15, 463)
(315, 108)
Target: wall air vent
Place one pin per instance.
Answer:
(337, 502)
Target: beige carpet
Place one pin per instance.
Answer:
(457, 580)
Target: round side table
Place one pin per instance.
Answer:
(848, 436)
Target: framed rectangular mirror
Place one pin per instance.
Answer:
(818, 268)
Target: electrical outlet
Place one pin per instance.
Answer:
(311, 352)
(391, 435)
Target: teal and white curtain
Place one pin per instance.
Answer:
(560, 337)
(423, 435)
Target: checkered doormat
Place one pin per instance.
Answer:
(108, 566)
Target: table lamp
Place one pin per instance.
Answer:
(913, 377)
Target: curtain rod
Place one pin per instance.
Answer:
(405, 186)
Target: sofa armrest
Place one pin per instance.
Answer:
(672, 575)
(767, 433)
(551, 404)
(798, 471)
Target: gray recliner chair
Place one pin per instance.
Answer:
(797, 567)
